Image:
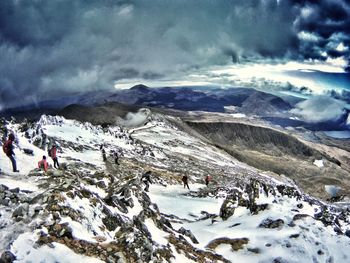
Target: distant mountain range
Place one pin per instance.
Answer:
(248, 101)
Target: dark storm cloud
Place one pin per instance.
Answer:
(50, 48)
(329, 21)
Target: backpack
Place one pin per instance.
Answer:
(5, 148)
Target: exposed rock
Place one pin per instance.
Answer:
(60, 231)
(206, 215)
(294, 236)
(279, 260)
(63, 166)
(236, 224)
(28, 151)
(189, 234)
(300, 216)
(270, 223)
(289, 191)
(3, 188)
(347, 233)
(338, 230)
(236, 243)
(255, 209)
(57, 173)
(5, 202)
(112, 221)
(101, 184)
(227, 209)
(325, 216)
(55, 216)
(85, 193)
(197, 255)
(15, 190)
(116, 202)
(21, 210)
(38, 208)
(254, 250)
(7, 257)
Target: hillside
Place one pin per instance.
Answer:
(272, 150)
(93, 210)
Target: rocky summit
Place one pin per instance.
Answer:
(99, 206)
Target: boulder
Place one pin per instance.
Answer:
(347, 233)
(28, 151)
(236, 243)
(228, 207)
(5, 202)
(38, 208)
(189, 234)
(21, 210)
(3, 188)
(270, 223)
(7, 257)
(15, 190)
(112, 221)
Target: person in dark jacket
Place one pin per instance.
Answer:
(146, 179)
(116, 157)
(53, 154)
(104, 156)
(185, 181)
(8, 149)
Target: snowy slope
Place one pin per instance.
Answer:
(92, 210)
(306, 238)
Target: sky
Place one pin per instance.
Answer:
(57, 47)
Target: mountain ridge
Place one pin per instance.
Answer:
(94, 210)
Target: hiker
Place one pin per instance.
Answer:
(104, 155)
(146, 179)
(116, 157)
(8, 150)
(207, 180)
(53, 155)
(185, 181)
(43, 164)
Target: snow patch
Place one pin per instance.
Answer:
(319, 163)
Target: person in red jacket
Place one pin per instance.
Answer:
(207, 179)
(43, 164)
(8, 150)
(53, 154)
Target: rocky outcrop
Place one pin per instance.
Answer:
(246, 198)
(235, 243)
(256, 138)
(270, 223)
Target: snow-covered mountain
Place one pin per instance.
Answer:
(93, 210)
